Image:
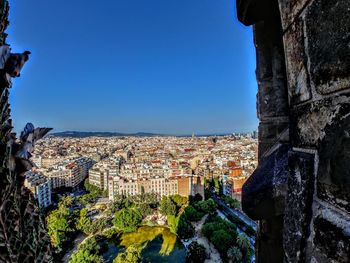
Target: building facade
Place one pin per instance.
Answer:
(69, 173)
(40, 186)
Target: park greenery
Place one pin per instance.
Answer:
(87, 252)
(93, 192)
(63, 221)
(133, 222)
(60, 223)
(131, 255)
(88, 226)
(127, 219)
(196, 253)
(173, 207)
(223, 235)
(233, 203)
(198, 209)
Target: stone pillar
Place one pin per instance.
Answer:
(264, 193)
(300, 191)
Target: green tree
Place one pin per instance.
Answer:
(84, 222)
(192, 214)
(87, 252)
(185, 229)
(151, 199)
(221, 233)
(211, 206)
(66, 201)
(208, 206)
(58, 225)
(91, 188)
(234, 254)
(167, 207)
(196, 253)
(98, 225)
(145, 209)
(179, 200)
(243, 243)
(127, 219)
(221, 240)
(118, 202)
(131, 255)
(83, 256)
(109, 233)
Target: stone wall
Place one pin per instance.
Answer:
(23, 237)
(300, 192)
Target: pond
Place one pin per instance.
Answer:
(160, 245)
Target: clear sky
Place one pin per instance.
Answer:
(166, 66)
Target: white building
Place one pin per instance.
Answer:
(40, 186)
(69, 173)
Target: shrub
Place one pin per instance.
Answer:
(127, 219)
(196, 253)
(87, 252)
(192, 214)
(167, 207)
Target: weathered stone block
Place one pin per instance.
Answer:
(328, 38)
(265, 190)
(309, 121)
(296, 63)
(333, 180)
(331, 241)
(272, 92)
(298, 211)
(270, 131)
(290, 10)
(272, 99)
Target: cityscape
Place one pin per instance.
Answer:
(88, 177)
(175, 131)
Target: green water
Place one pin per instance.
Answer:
(160, 245)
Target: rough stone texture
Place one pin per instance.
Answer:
(23, 238)
(309, 121)
(290, 10)
(298, 78)
(313, 216)
(327, 29)
(266, 185)
(298, 205)
(268, 134)
(270, 245)
(264, 193)
(331, 241)
(333, 178)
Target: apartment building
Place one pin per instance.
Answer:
(69, 173)
(182, 185)
(40, 186)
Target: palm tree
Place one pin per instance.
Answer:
(234, 254)
(243, 242)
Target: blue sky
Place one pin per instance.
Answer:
(164, 66)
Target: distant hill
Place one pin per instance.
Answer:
(78, 134)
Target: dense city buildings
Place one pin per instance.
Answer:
(161, 165)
